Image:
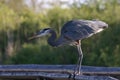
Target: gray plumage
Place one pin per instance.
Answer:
(76, 30)
(73, 32)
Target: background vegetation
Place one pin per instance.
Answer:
(19, 21)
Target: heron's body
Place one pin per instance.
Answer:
(73, 32)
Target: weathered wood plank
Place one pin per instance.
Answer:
(61, 68)
(57, 71)
(54, 76)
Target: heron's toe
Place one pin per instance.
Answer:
(78, 73)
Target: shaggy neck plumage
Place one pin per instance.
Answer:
(52, 39)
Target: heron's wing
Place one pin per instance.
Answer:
(76, 30)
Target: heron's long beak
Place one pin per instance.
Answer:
(33, 37)
(37, 35)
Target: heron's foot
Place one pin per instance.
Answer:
(72, 75)
(78, 73)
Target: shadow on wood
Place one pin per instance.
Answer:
(57, 72)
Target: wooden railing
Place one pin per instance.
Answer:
(57, 72)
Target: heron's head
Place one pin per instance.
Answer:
(41, 33)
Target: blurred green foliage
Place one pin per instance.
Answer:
(99, 50)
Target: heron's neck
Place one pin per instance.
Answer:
(52, 39)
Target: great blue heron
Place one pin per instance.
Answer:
(73, 32)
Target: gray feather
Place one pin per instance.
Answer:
(77, 29)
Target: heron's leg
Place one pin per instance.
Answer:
(78, 68)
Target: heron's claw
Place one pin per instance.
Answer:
(72, 75)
